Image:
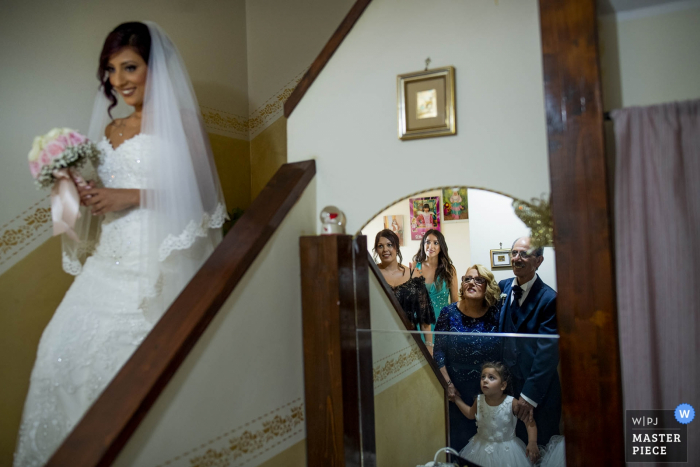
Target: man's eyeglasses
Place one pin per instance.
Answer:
(523, 254)
(477, 280)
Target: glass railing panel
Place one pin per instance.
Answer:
(415, 416)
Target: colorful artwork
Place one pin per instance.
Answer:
(395, 224)
(455, 206)
(425, 215)
(426, 104)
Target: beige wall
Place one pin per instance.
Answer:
(651, 55)
(283, 38)
(410, 420)
(30, 290)
(232, 158)
(268, 151)
(501, 136)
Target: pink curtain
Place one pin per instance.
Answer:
(657, 237)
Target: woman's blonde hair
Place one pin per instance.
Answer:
(493, 292)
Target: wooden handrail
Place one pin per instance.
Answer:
(328, 50)
(106, 427)
(406, 322)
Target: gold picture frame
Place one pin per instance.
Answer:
(500, 259)
(426, 103)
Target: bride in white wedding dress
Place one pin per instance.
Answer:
(149, 222)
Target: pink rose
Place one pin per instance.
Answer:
(35, 168)
(76, 138)
(45, 157)
(54, 149)
(63, 140)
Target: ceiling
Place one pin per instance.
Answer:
(616, 6)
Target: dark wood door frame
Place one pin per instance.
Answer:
(586, 301)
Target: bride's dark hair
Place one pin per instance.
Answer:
(132, 34)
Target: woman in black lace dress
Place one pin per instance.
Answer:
(410, 291)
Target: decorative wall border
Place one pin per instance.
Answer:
(33, 222)
(248, 128)
(383, 373)
(258, 436)
(219, 121)
(273, 108)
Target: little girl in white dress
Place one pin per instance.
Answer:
(495, 443)
(554, 454)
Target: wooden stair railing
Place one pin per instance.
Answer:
(338, 373)
(106, 427)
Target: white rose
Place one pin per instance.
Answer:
(37, 146)
(53, 134)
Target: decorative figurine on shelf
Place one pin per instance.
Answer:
(332, 221)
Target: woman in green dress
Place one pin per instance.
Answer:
(434, 264)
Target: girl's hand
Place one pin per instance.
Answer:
(532, 451)
(452, 392)
(104, 200)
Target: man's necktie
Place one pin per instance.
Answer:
(515, 305)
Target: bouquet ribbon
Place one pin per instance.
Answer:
(65, 204)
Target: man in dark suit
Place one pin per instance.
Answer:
(529, 307)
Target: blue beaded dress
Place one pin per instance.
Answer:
(463, 356)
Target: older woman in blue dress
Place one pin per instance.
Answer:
(460, 357)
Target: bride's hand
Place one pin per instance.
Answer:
(104, 200)
(90, 185)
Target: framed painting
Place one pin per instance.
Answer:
(500, 259)
(425, 215)
(395, 224)
(455, 206)
(426, 103)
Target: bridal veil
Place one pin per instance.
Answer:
(183, 200)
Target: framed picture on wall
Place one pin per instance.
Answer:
(427, 103)
(425, 215)
(395, 224)
(500, 259)
(455, 206)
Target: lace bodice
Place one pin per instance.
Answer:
(122, 168)
(495, 424)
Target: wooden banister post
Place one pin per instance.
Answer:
(335, 300)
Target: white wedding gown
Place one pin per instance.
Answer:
(96, 327)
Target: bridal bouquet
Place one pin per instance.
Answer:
(59, 149)
(53, 162)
